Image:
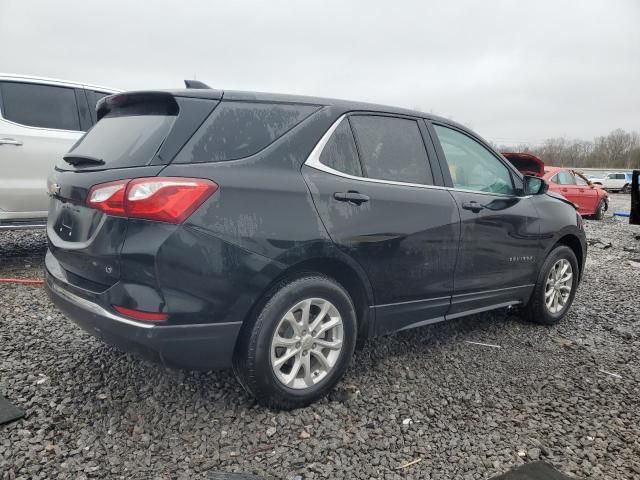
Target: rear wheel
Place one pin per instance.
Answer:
(299, 345)
(555, 287)
(599, 215)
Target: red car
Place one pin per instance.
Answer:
(590, 199)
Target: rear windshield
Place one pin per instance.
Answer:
(123, 140)
(239, 129)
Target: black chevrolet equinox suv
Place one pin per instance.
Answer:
(272, 233)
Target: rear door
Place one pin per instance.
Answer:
(499, 232)
(38, 124)
(372, 181)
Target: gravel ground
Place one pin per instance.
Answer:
(566, 394)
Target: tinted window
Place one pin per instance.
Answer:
(124, 140)
(94, 96)
(239, 129)
(340, 152)
(471, 165)
(42, 106)
(391, 149)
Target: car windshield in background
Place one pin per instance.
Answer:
(124, 141)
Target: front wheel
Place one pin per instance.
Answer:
(299, 344)
(626, 189)
(555, 287)
(599, 215)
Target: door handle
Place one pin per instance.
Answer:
(352, 197)
(475, 207)
(10, 141)
(565, 189)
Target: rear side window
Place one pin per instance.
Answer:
(240, 129)
(42, 106)
(391, 149)
(340, 152)
(125, 137)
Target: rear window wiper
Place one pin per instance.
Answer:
(75, 160)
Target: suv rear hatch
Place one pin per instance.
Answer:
(137, 135)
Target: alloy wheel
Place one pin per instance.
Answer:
(558, 286)
(307, 342)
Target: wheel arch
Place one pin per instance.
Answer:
(350, 277)
(573, 242)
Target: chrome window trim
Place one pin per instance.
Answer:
(313, 161)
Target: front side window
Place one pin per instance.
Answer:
(391, 148)
(340, 152)
(471, 165)
(43, 106)
(240, 129)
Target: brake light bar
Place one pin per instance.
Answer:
(164, 199)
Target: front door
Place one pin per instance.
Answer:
(380, 207)
(499, 243)
(38, 124)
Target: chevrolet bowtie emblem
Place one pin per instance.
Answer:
(54, 189)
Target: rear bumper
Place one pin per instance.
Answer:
(196, 346)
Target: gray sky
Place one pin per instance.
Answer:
(514, 71)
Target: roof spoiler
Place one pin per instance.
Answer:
(145, 102)
(196, 84)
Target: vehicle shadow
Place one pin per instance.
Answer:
(220, 391)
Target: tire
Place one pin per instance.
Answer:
(599, 215)
(626, 189)
(256, 353)
(537, 310)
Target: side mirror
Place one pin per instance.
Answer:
(535, 185)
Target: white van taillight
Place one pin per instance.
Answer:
(165, 199)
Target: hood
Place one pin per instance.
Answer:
(526, 163)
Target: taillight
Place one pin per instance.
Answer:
(165, 199)
(108, 197)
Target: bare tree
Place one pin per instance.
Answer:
(619, 149)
